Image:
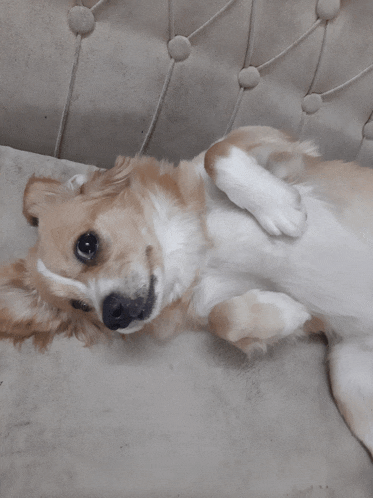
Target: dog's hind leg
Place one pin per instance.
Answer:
(257, 318)
(351, 376)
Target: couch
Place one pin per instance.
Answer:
(84, 81)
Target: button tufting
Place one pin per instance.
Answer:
(368, 131)
(328, 9)
(312, 103)
(179, 48)
(249, 77)
(81, 20)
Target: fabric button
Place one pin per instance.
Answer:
(81, 20)
(328, 9)
(179, 48)
(312, 103)
(249, 77)
(368, 131)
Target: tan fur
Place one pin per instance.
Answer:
(238, 318)
(42, 322)
(349, 188)
(315, 326)
(273, 149)
(64, 215)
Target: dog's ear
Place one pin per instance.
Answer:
(112, 181)
(24, 314)
(38, 195)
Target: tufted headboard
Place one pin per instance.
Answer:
(86, 80)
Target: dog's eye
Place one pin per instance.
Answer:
(86, 247)
(79, 305)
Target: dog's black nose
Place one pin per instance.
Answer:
(119, 311)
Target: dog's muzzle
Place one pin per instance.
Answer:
(119, 311)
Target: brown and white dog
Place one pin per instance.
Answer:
(256, 239)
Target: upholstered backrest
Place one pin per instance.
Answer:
(90, 79)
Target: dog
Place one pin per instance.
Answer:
(256, 239)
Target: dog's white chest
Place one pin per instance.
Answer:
(239, 259)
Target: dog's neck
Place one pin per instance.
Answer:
(179, 224)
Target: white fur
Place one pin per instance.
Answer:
(183, 245)
(351, 373)
(76, 181)
(214, 287)
(309, 148)
(274, 203)
(317, 269)
(99, 288)
(58, 279)
(328, 269)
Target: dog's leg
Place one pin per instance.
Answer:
(276, 205)
(351, 375)
(257, 318)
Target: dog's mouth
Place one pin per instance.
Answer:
(119, 311)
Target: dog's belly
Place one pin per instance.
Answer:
(328, 269)
(242, 257)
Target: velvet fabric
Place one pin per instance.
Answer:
(176, 73)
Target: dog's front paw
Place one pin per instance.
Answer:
(283, 215)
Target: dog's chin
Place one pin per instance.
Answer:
(132, 328)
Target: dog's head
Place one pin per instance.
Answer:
(113, 250)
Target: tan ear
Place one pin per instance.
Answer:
(118, 177)
(23, 313)
(111, 181)
(38, 194)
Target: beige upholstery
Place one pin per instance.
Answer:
(210, 65)
(192, 418)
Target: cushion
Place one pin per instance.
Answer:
(192, 417)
